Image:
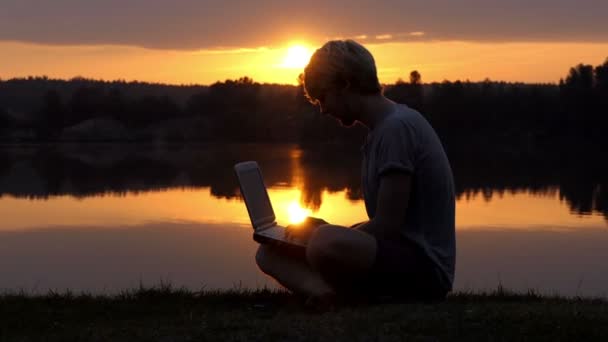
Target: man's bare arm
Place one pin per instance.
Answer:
(393, 200)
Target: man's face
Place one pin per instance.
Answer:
(334, 103)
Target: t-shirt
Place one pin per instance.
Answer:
(405, 142)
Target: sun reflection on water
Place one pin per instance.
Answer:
(296, 213)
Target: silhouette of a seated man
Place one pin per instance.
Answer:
(407, 248)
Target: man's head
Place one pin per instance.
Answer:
(338, 73)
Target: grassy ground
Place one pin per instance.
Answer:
(167, 314)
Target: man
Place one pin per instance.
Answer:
(407, 248)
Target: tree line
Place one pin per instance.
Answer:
(42, 109)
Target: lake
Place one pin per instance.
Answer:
(103, 218)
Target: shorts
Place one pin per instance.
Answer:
(401, 270)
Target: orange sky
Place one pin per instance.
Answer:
(203, 41)
(435, 60)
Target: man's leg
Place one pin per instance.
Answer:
(292, 272)
(345, 256)
(341, 252)
(332, 250)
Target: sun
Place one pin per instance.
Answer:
(296, 213)
(297, 56)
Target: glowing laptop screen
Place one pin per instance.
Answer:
(256, 197)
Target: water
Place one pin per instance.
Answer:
(103, 218)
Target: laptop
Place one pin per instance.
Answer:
(253, 189)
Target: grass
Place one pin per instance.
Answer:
(165, 313)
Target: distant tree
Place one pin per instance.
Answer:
(152, 109)
(601, 95)
(416, 90)
(601, 75)
(577, 95)
(115, 104)
(415, 78)
(408, 93)
(234, 96)
(6, 122)
(245, 80)
(198, 104)
(86, 103)
(51, 118)
(236, 107)
(580, 77)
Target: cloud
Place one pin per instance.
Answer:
(220, 51)
(204, 24)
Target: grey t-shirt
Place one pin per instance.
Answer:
(406, 142)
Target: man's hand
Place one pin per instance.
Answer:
(303, 231)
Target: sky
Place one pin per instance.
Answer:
(202, 41)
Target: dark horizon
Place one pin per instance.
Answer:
(185, 85)
(42, 109)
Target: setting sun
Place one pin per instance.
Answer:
(297, 57)
(296, 213)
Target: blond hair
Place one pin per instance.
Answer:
(339, 63)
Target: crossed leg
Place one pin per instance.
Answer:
(336, 250)
(293, 272)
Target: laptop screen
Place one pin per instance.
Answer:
(256, 197)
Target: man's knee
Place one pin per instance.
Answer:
(263, 258)
(340, 249)
(323, 246)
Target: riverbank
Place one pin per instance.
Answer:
(168, 314)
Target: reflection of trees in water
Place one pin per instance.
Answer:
(120, 169)
(591, 198)
(331, 169)
(577, 176)
(5, 162)
(601, 199)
